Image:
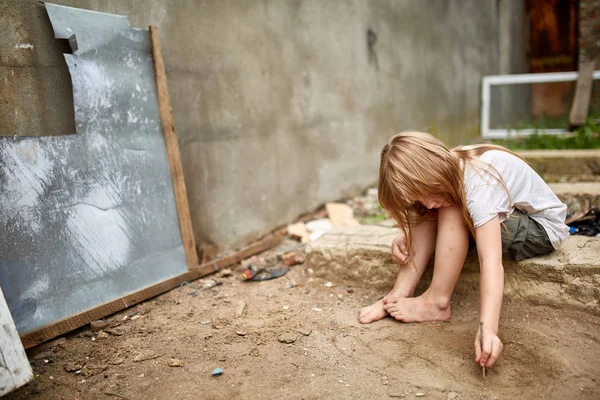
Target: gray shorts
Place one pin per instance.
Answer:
(523, 237)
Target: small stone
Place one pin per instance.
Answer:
(239, 310)
(173, 362)
(304, 331)
(225, 273)
(72, 367)
(384, 380)
(141, 375)
(328, 284)
(452, 395)
(287, 338)
(102, 334)
(420, 394)
(241, 333)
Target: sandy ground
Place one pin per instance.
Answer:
(298, 338)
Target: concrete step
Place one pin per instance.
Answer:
(360, 256)
(565, 165)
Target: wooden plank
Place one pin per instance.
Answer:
(15, 370)
(168, 125)
(68, 324)
(583, 93)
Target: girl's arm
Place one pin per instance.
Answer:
(489, 249)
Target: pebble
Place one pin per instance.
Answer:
(241, 333)
(287, 338)
(396, 394)
(419, 394)
(239, 310)
(328, 284)
(304, 331)
(173, 362)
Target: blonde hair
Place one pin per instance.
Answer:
(415, 165)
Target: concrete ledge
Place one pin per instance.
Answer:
(360, 256)
(565, 165)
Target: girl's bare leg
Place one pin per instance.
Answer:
(423, 244)
(450, 252)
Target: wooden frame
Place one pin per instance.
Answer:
(15, 370)
(195, 270)
(489, 81)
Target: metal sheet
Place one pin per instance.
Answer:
(88, 218)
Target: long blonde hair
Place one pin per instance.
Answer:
(415, 165)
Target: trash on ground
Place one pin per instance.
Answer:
(217, 371)
(341, 214)
(299, 231)
(587, 224)
(193, 292)
(318, 228)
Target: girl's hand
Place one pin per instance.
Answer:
(487, 355)
(399, 250)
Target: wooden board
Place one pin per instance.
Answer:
(168, 125)
(15, 370)
(583, 94)
(74, 322)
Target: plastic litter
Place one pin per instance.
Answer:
(217, 371)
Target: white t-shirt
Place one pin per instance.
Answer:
(486, 197)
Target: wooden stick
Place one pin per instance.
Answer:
(481, 343)
(166, 117)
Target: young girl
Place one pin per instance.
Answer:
(437, 196)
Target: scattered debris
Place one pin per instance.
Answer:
(72, 367)
(97, 326)
(194, 292)
(328, 284)
(396, 394)
(586, 224)
(419, 394)
(341, 215)
(150, 355)
(299, 231)
(219, 323)
(217, 371)
(174, 362)
(304, 331)
(384, 380)
(287, 338)
(109, 393)
(102, 335)
(318, 228)
(114, 332)
(292, 258)
(225, 273)
(239, 310)
(241, 333)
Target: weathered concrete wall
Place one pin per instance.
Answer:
(281, 105)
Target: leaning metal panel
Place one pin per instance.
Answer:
(89, 218)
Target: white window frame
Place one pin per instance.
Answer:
(490, 80)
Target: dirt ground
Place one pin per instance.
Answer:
(298, 338)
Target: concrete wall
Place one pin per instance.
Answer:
(280, 105)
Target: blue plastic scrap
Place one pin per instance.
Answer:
(217, 371)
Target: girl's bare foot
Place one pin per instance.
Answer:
(372, 313)
(417, 309)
